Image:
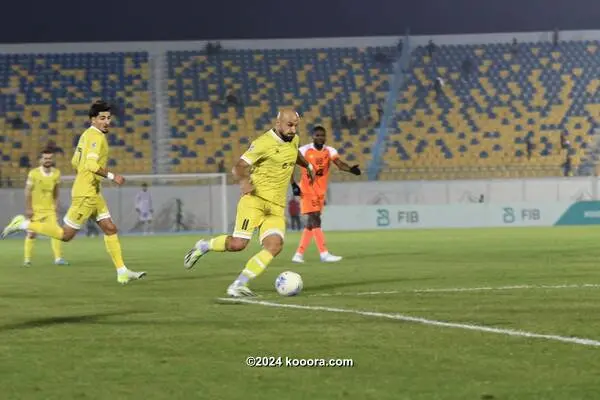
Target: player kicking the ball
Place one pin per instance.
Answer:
(313, 195)
(264, 173)
(90, 159)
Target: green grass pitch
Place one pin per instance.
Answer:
(74, 333)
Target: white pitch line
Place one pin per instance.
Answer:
(424, 321)
(464, 289)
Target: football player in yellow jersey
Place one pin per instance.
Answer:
(41, 202)
(264, 172)
(90, 159)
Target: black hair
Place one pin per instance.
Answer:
(47, 150)
(319, 128)
(98, 107)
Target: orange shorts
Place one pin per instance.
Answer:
(312, 203)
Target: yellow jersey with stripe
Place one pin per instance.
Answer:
(272, 162)
(91, 153)
(42, 185)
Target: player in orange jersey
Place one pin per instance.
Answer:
(313, 195)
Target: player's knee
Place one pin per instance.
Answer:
(31, 235)
(68, 234)
(108, 227)
(110, 230)
(273, 244)
(237, 244)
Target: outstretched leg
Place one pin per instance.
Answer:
(271, 238)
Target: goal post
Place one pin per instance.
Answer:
(180, 202)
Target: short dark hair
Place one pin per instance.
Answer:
(98, 107)
(47, 150)
(319, 128)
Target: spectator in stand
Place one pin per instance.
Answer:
(431, 48)
(564, 141)
(529, 145)
(568, 166)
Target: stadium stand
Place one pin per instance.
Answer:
(46, 97)
(323, 84)
(479, 124)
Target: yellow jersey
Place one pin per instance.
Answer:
(42, 186)
(272, 162)
(90, 154)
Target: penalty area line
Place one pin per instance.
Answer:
(423, 321)
(463, 289)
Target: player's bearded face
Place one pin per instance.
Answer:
(102, 121)
(287, 130)
(47, 160)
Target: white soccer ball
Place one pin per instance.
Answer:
(288, 283)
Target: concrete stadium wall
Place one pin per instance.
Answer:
(202, 205)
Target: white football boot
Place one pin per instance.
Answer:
(192, 256)
(328, 257)
(128, 276)
(237, 290)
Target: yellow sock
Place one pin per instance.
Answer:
(113, 247)
(46, 229)
(56, 248)
(257, 264)
(29, 242)
(218, 243)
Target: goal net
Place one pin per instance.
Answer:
(179, 202)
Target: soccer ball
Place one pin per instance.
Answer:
(288, 283)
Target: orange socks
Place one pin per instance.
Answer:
(307, 236)
(320, 240)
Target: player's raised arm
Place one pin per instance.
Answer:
(91, 164)
(355, 169)
(301, 161)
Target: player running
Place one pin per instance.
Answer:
(264, 173)
(313, 195)
(90, 159)
(41, 203)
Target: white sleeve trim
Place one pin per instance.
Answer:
(246, 159)
(304, 149)
(332, 152)
(93, 156)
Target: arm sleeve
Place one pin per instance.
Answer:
(255, 153)
(333, 153)
(303, 150)
(92, 150)
(30, 180)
